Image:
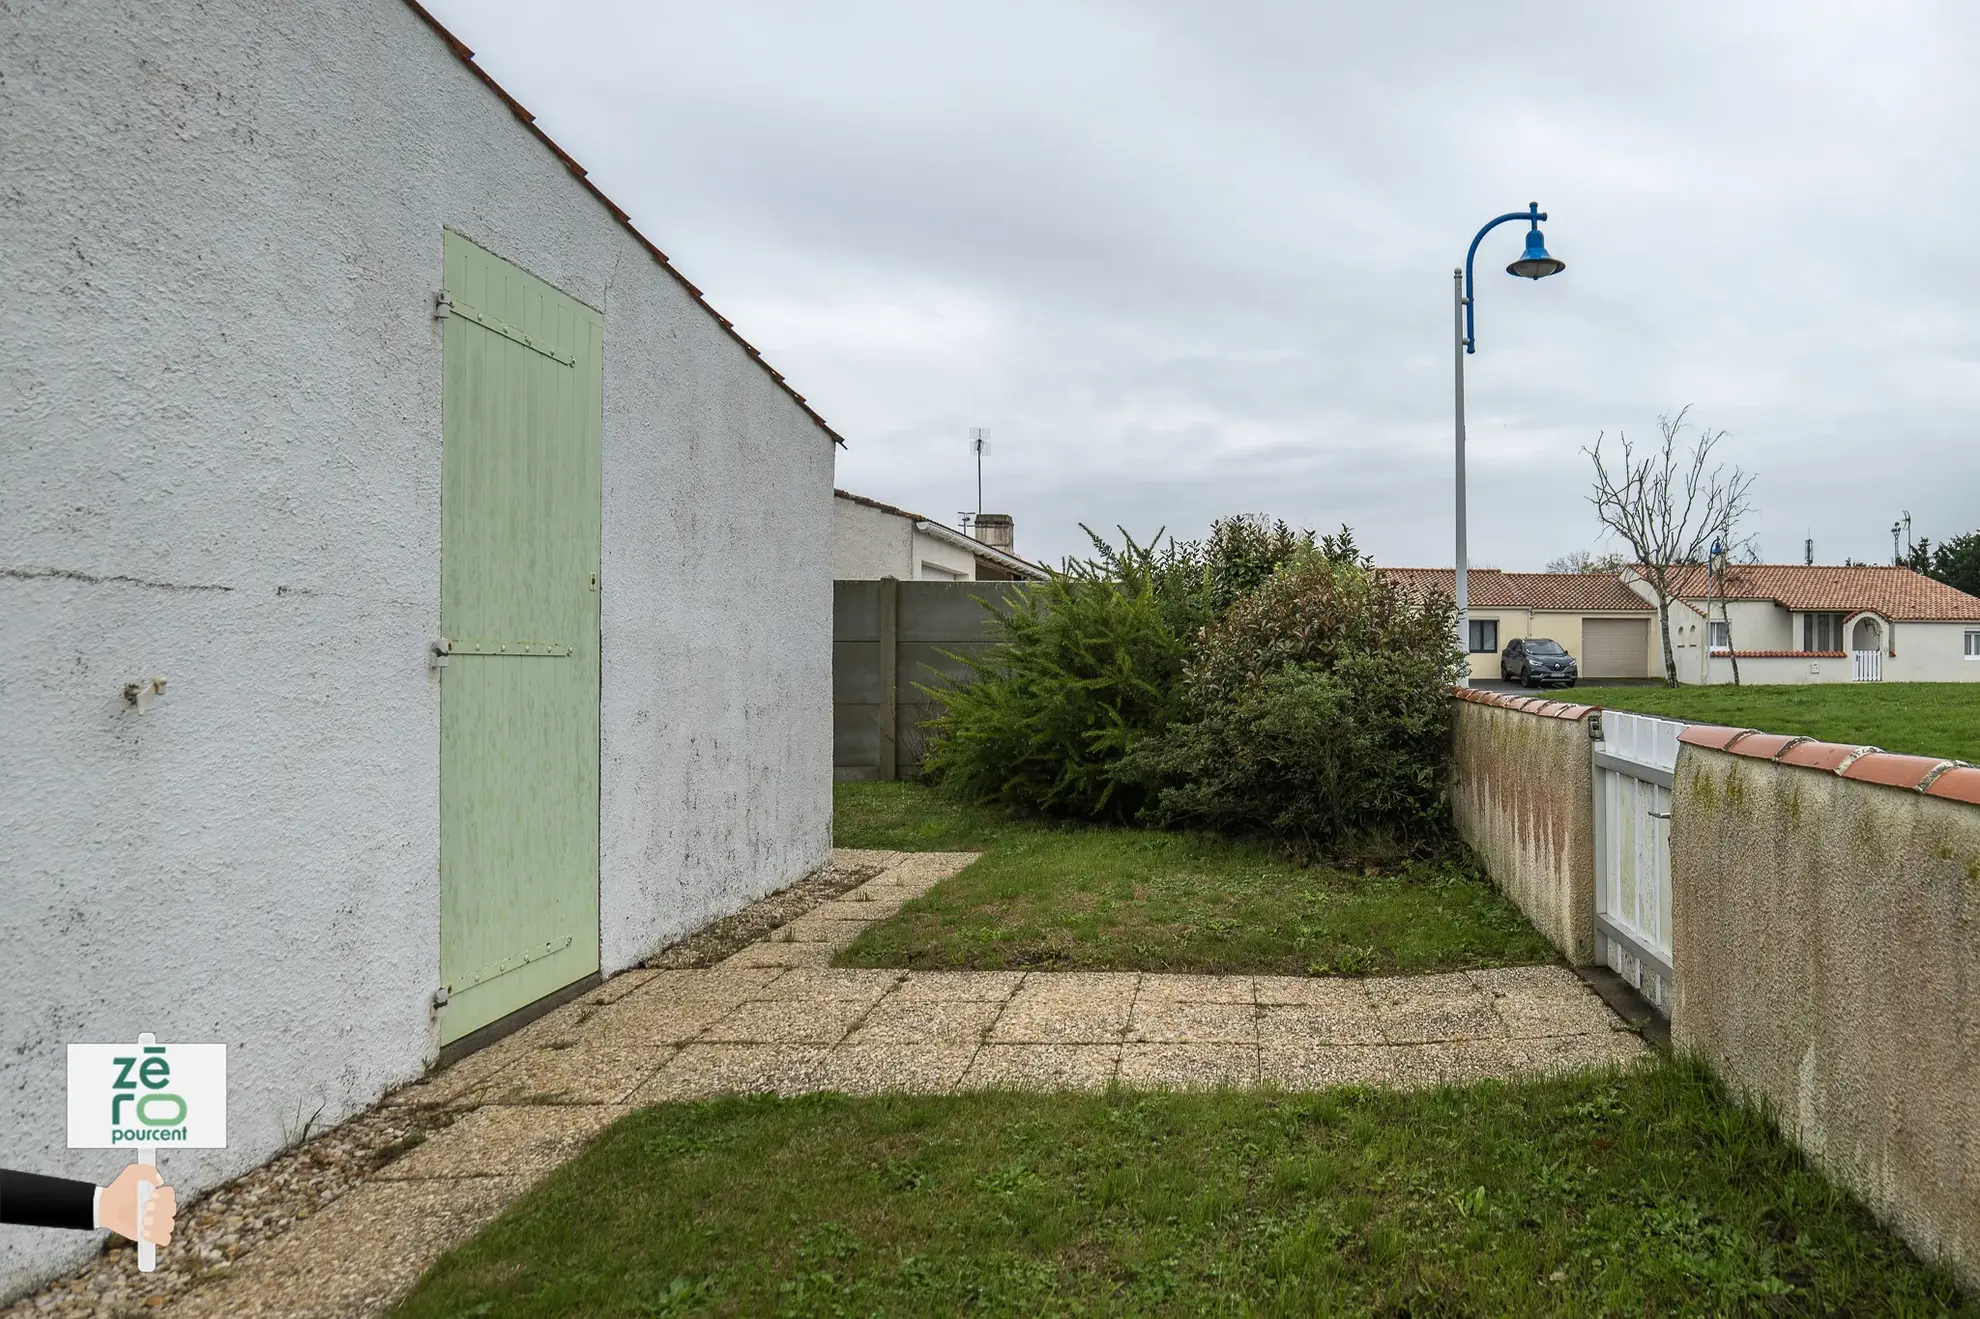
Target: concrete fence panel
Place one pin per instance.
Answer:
(891, 639)
(1826, 927)
(1524, 800)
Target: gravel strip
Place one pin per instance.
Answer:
(238, 1216)
(731, 934)
(263, 1204)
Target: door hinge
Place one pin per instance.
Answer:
(517, 649)
(506, 965)
(443, 305)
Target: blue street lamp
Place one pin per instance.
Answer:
(1534, 263)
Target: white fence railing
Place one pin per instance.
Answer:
(1869, 665)
(1634, 762)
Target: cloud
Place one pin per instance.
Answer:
(1186, 260)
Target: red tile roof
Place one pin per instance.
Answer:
(1565, 592)
(1898, 594)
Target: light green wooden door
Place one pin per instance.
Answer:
(520, 507)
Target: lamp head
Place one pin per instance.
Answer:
(1534, 263)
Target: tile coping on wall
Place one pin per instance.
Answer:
(1953, 780)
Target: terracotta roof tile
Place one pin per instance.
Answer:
(1563, 591)
(583, 176)
(1898, 594)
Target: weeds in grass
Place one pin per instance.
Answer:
(1646, 1192)
(1050, 896)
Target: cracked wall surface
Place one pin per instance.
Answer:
(220, 424)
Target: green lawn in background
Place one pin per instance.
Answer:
(1921, 718)
(1642, 1193)
(1070, 897)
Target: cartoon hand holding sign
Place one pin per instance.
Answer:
(145, 1096)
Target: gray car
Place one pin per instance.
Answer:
(1538, 662)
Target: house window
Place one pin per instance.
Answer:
(1721, 636)
(1973, 643)
(1821, 631)
(1484, 636)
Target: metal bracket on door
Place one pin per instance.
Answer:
(446, 646)
(503, 967)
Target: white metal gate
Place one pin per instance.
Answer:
(1633, 776)
(1869, 665)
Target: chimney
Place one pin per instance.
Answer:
(996, 531)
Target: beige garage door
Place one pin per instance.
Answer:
(1615, 648)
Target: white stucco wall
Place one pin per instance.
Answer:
(1932, 652)
(219, 462)
(950, 562)
(868, 543)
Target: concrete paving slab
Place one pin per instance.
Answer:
(852, 858)
(1296, 1066)
(1574, 1053)
(866, 1069)
(1457, 1062)
(1333, 993)
(1547, 1013)
(1527, 979)
(1196, 989)
(1043, 1067)
(620, 985)
(828, 982)
(448, 1087)
(816, 928)
(863, 904)
(653, 1021)
(897, 1021)
(786, 1021)
(957, 987)
(780, 955)
(1159, 1021)
(1054, 1018)
(586, 1073)
(1188, 1066)
(700, 1071)
(1346, 1022)
(356, 1257)
(524, 1141)
(1431, 1009)
(1079, 986)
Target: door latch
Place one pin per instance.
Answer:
(436, 655)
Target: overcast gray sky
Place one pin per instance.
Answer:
(1185, 260)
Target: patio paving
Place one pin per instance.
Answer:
(775, 1017)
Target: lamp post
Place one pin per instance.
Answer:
(1534, 263)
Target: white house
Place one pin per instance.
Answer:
(476, 552)
(1596, 618)
(1796, 623)
(871, 540)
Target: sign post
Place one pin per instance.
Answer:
(144, 1096)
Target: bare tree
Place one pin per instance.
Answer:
(1667, 507)
(1581, 561)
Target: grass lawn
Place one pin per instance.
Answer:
(1922, 718)
(1645, 1193)
(1068, 897)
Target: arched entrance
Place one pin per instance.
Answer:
(1866, 645)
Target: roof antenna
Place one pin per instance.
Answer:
(979, 440)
